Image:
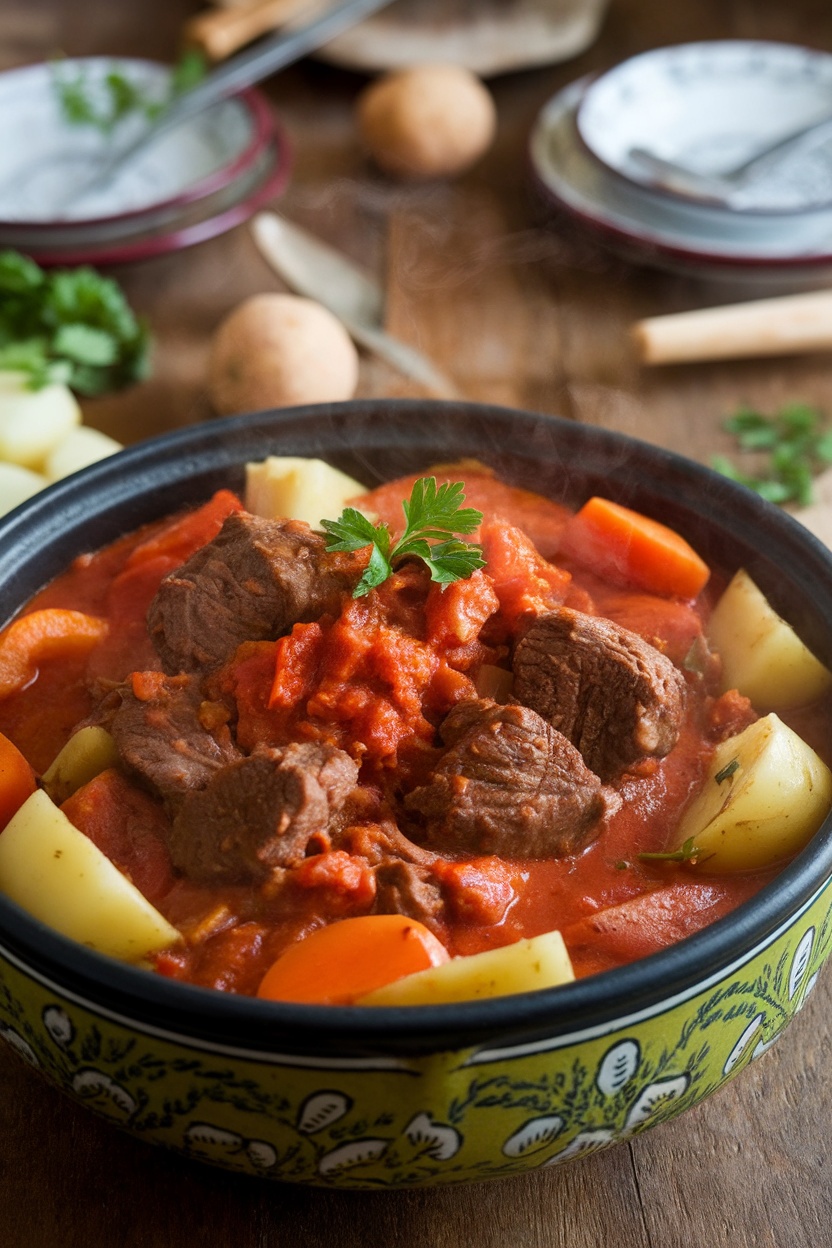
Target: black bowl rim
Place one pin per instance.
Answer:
(264, 1029)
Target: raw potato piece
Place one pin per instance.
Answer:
(298, 489)
(17, 484)
(541, 962)
(762, 656)
(86, 754)
(33, 422)
(56, 873)
(765, 808)
(80, 447)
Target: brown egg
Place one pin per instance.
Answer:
(277, 350)
(429, 121)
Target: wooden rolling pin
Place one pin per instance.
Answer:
(220, 32)
(787, 325)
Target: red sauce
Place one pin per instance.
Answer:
(377, 680)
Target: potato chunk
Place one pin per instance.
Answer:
(525, 966)
(56, 873)
(17, 484)
(298, 489)
(761, 654)
(86, 754)
(33, 422)
(765, 796)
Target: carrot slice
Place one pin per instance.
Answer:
(346, 960)
(185, 535)
(627, 548)
(52, 632)
(17, 780)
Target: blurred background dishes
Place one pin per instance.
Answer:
(710, 107)
(773, 249)
(198, 180)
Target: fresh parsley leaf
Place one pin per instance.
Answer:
(790, 445)
(727, 771)
(103, 104)
(70, 325)
(433, 514)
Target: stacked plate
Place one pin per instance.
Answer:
(193, 183)
(645, 158)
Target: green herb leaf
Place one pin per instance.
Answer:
(70, 325)
(791, 446)
(103, 105)
(727, 771)
(434, 514)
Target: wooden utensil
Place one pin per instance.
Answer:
(786, 325)
(219, 32)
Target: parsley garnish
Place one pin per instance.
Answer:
(687, 852)
(433, 514)
(727, 771)
(793, 446)
(68, 325)
(103, 104)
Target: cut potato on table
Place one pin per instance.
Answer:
(765, 796)
(541, 962)
(301, 489)
(761, 654)
(33, 422)
(58, 875)
(17, 484)
(86, 754)
(81, 447)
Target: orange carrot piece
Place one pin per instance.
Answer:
(17, 780)
(627, 548)
(341, 962)
(185, 535)
(49, 633)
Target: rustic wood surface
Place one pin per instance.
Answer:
(519, 313)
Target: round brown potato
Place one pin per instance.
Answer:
(278, 350)
(430, 121)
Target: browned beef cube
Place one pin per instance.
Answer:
(260, 813)
(251, 583)
(509, 784)
(169, 737)
(612, 694)
(406, 888)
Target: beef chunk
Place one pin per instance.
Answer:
(168, 736)
(612, 694)
(251, 583)
(406, 888)
(260, 813)
(509, 784)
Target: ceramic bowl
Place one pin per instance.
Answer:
(350, 1097)
(710, 107)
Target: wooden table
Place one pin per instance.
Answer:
(522, 314)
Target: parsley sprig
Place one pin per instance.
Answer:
(793, 445)
(687, 852)
(68, 325)
(433, 514)
(103, 104)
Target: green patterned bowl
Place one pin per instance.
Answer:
(345, 1097)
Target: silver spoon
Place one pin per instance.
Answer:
(243, 70)
(311, 268)
(721, 187)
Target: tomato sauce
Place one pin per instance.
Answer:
(377, 679)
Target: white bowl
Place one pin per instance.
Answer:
(711, 106)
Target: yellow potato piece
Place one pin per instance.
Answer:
(81, 446)
(86, 754)
(761, 654)
(33, 422)
(765, 796)
(56, 873)
(299, 489)
(541, 962)
(17, 484)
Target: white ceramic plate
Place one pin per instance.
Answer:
(486, 36)
(43, 155)
(660, 230)
(711, 106)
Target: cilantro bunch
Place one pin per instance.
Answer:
(793, 445)
(72, 326)
(433, 514)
